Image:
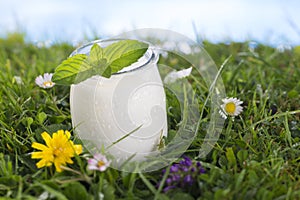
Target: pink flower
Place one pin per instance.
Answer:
(98, 162)
(45, 81)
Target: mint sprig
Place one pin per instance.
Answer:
(100, 61)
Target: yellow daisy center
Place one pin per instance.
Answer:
(230, 108)
(100, 163)
(48, 83)
(58, 151)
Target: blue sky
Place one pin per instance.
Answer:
(270, 21)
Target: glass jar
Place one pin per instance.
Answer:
(124, 115)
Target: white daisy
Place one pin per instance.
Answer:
(18, 80)
(98, 162)
(231, 107)
(175, 75)
(45, 81)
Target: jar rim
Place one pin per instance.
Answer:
(149, 56)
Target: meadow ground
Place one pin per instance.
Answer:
(256, 157)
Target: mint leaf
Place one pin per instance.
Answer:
(96, 54)
(100, 61)
(73, 70)
(101, 68)
(124, 53)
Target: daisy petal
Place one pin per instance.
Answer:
(38, 146)
(99, 156)
(47, 138)
(37, 155)
(92, 161)
(92, 167)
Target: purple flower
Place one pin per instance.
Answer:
(201, 170)
(182, 174)
(166, 189)
(176, 177)
(186, 161)
(168, 181)
(174, 168)
(193, 169)
(184, 168)
(188, 179)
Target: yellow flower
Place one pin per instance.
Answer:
(59, 150)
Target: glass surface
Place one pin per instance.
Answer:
(106, 110)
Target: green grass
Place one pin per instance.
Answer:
(256, 157)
